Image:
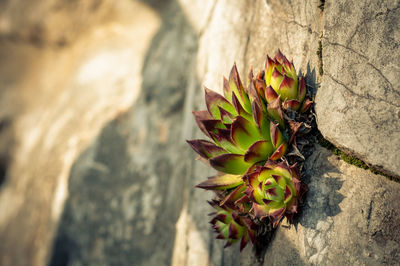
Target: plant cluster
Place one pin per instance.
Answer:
(252, 132)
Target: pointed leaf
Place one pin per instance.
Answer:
(244, 133)
(294, 127)
(225, 116)
(253, 95)
(234, 195)
(306, 105)
(239, 109)
(221, 182)
(287, 89)
(288, 66)
(281, 59)
(227, 90)
(220, 217)
(205, 149)
(260, 88)
(223, 139)
(234, 232)
(277, 137)
(244, 241)
(275, 111)
(291, 104)
(302, 89)
(270, 94)
(199, 116)
(259, 151)
(212, 126)
(261, 121)
(214, 100)
(276, 80)
(288, 194)
(279, 152)
(237, 218)
(276, 215)
(237, 88)
(295, 171)
(230, 163)
(269, 68)
(260, 211)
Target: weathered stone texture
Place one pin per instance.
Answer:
(350, 217)
(129, 183)
(358, 103)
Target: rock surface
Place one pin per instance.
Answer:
(104, 128)
(358, 103)
(350, 217)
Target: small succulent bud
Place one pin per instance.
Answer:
(281, 80)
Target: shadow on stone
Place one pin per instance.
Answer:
(6, 146)
(126, 190)
(311, 80)
(322, 198)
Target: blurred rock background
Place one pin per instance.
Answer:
(96, 99)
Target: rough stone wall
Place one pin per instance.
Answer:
(94, 118)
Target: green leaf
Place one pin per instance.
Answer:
(223, 139)
(221, 182)
(244, 133)
(230, 164)
(214, 101)
(287, 89)
(205, 149)
(259, 151)
(237, 88)
(276, 80)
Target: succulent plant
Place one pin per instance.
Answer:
(241, 131)
(281, 81)
(274, 189)
(230, 225)
(249, 136)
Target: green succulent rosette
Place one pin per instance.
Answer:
(232, 226)
(274, 190)
(241, 131)
(281, 82)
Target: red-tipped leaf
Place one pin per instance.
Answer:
(244, 133)
(221, 182)
(205, 149)
(302, 89)
(287, 89)
(259, 151)
(215, 100)
(230, 164)
(237, 88)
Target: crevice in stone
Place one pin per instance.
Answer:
(6, 147)
(319, 53)
(367, 96)
(351, 159)
(321, 5)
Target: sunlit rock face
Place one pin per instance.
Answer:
(96, 101)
